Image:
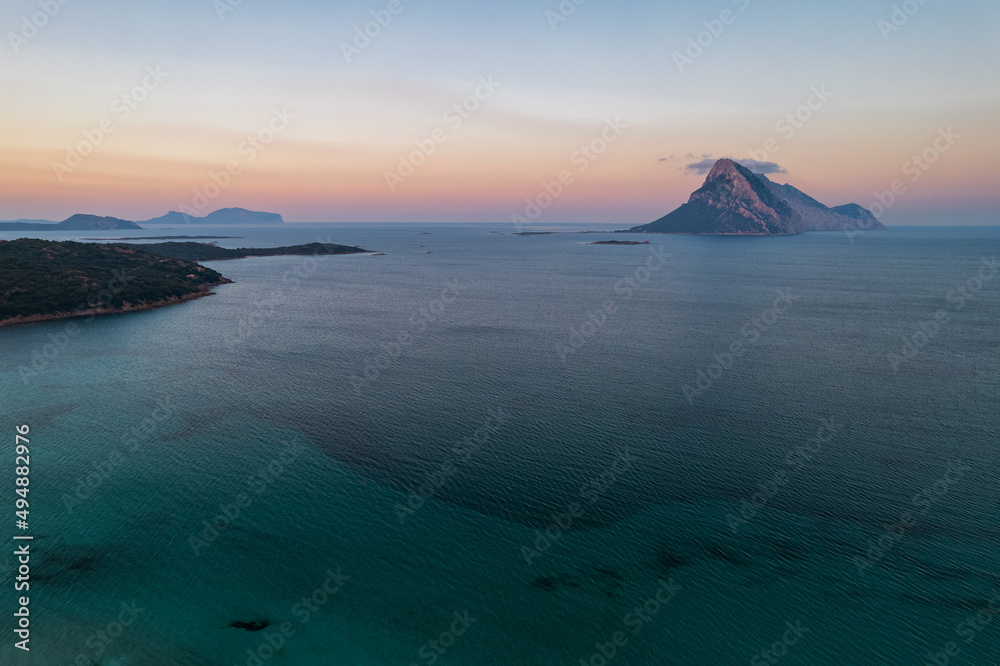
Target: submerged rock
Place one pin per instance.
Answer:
(669, 560)
(249, 626)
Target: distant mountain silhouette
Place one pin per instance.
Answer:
(77, 222)
(734, 200)
(859, 213)
(223, 216)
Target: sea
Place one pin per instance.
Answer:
(474, 447)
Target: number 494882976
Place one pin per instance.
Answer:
(22, 464)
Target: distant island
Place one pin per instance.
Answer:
(618, 242)
(222, 216)
(82, 222)
(734, 200)
(44, 280)
(74, 223)
(145, 238)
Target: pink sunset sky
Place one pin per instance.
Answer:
(162, 99)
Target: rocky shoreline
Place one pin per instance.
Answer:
(206, 290)
(52, 280)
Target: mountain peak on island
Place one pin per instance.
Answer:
(221, 216)
(734, 200)
(724, 168)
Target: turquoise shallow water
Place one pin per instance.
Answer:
(148, 425)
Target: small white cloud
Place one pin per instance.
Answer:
(704, 166)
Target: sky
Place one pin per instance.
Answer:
(599, 112)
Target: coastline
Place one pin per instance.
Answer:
(205, 290)
(286, 254)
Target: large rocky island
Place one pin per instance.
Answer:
(43, 280)
(221, 216)
(734, 200)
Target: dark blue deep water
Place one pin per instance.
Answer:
(494, 449)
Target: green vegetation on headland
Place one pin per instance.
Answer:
(209, 252)
(43, 280)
